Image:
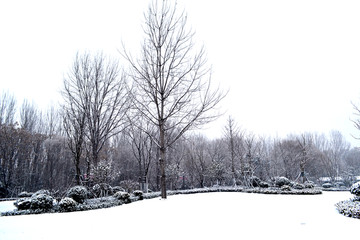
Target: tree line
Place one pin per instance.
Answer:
(36, 154)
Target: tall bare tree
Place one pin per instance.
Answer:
(173, 88)
(96, 103)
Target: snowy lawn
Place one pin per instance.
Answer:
(220, 215)
(7, 206)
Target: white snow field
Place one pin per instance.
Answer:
(218, 216)
(7, 206)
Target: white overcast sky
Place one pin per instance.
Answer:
(290, 66)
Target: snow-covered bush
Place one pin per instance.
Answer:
(281, 181)
(67, 204)
(41, 202)
(139, 194)
(349, 208)
(25, 194)
(296, 185)
(264, 184)
(122, 196)
(102, 190)
(42, 191)
(255, 181)
(327, 185)
(118, 189)
(78, 193)
(285, 188)
(339, 184)
(309, 184)
(355, 189)
(23, 203)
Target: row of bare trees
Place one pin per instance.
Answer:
(31, 160)
(33, 153)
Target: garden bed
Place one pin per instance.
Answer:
(270, 190)
(111, 201)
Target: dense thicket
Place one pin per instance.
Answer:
(37, 158)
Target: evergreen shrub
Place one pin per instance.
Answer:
(309, 184)
(327, 185)
(298, 186)
(23, 203)
(285, 188)
(122, 196)
(255, 181)
(78, 193)
(355, 189)
(67, 204)
(41, 202)
(281, 181)
(264, 184)
(139, 194)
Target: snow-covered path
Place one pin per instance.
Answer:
(198, 216)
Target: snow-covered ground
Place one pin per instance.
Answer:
(218, 216)
(7, 206)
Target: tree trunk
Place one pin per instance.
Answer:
(78, 172)
(162, 162)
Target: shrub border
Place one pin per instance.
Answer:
(308, 191)
(107, 202)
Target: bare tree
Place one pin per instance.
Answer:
(52, 123)
(289, 155)
(96, 103)
(305, 141)
(173, 88)
(197, 160)
(30, 116)
(107, 102)
(231, 132)
(142, 146)
(53, 148)
(252, 160)
(7, 108)
(356, 121)
(337, 149)
(74, 126)
(217, 154)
